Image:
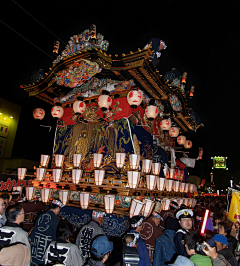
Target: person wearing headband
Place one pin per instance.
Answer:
(184, 218)
(173, 208)
(150, 232)
(88, 232)
(136, 227)
(44, 231)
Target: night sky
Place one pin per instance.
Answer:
(202, 37)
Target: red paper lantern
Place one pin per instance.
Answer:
(134, 98)
(79, 107)
(181, 140)
(188, 144)
(165, 124)
(151, 112)
(57, 111)
(104, 101)
(38, 113)
(174, 132)
(200, 153)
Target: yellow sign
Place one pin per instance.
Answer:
(4, 128)
(234, 211)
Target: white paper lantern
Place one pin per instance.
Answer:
(104, 102)
(167, 204)
(38, 113)
(57, 175)
(135, 208)
(146, 166)
(191, 202)
(59, 159)
(99, 176)
(169, 184)
(151, 112)
(97, 159)
(44, 160)
(161, 183)
(77, 158)
(30, 192)
(46, 194)
(165, 171)
(176, 186)
(133, 179)
(171, 173)
(191, 188)
(134, 98)
(64, 196)
(18, 188)
(109, 203)
(147, 207)
(40, 173)
(165, 124)
(180, 201)
(57, 111)
(120, 159)
(185, 201)
(151, 182)
(182, 187)
(76, 175)
(79, 107)
(188, 144)
(156, 167)
(84, 200)
(181, 140)
(194, 203)
(173, 132)
(134, 160)
(186, 188)
(21, 173)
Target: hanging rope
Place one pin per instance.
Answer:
(38, 21)
(27, 40)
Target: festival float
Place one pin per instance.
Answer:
(118, 125)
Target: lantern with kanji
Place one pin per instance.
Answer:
(104, 101)
(165, 124)
(181, 140)
(38, 113)
(134, 98)
(188, 144)
(173, 132)
(79, 106)
(57, 111)
(151, 112)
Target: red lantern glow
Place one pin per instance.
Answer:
(181, 140)
(165, 124)
(174, 132)
(188, 144)
(38, 113)
(134, 98)
(57, 111)
(79, 107)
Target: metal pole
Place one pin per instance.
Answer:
(54, 139)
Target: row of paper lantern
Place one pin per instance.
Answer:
(134, 160)
(137, 207)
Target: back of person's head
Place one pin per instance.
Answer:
(15, 196)
(171, 224)
(209, 234)
(13, 211)
(64, 230)
(5, 196)
(135, 221)
(194, 240)
(174, 206)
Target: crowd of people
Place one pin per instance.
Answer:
(177, 236)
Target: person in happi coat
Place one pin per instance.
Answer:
(62, 250)
(44, 231)
(88, 232)
(150, 231)
(136, 227)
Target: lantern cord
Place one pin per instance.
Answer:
(26, 39)
(130, 134)
(38, 21)
(46, 126)
(54, 139)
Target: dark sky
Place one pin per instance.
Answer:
(202, 39)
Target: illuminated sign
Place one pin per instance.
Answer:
(219, 162)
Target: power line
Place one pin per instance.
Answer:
(27, 39)
(38, 21)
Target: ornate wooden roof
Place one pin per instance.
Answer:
(135, 65)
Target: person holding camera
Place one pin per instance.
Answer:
(194, 246)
